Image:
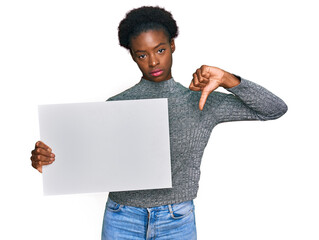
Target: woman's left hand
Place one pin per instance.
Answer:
(207, 79)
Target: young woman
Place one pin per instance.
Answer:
(148, 33)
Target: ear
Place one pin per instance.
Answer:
(173, 45)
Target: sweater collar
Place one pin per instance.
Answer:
(167, 85)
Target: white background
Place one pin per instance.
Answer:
(259, 179)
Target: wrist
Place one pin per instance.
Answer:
(230, 80)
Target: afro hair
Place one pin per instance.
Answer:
(143, 19)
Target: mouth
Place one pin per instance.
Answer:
(157, 72)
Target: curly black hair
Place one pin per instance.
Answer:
(143, 19)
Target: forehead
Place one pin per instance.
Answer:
(149, 39)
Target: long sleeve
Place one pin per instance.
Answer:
(190, 129)
(250, 101)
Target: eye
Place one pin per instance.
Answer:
(161, 50)
(142, 56)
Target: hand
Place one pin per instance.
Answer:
(41, 155)
(207, 79)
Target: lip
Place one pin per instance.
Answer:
(157, 72)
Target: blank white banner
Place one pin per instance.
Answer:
(106, 146)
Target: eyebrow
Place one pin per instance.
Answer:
(137, 51)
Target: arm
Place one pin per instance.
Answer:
(249, 102)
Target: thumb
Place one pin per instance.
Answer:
(203, 99)
(205, 92)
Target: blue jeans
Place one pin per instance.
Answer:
(173, 222)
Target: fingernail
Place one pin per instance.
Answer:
(52, 155)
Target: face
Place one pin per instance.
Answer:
(152, 52)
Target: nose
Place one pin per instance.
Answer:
(153, 61)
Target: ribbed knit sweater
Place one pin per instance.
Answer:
(190, 129)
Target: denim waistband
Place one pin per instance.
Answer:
(169, 207)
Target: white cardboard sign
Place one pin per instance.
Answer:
(106, 146)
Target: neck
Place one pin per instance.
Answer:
(158, 81)
(166, 85)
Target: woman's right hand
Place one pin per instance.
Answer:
(41, 155)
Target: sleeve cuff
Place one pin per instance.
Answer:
(243, 83)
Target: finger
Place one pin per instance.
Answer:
(40, 144)
(205, 71)
(45, 163)
(205, 92)
(44, 152)
(199, 76)
(203, 99)
(34, 164)
(194, 88)
(202, 78)
(37, 167)
(212, 72)
(196, 81)
(41, 158)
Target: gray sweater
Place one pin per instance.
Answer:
(190, 130)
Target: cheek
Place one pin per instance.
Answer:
(139, 63)
(142, 66)
(168, 60)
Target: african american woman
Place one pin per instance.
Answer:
(148, 33)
